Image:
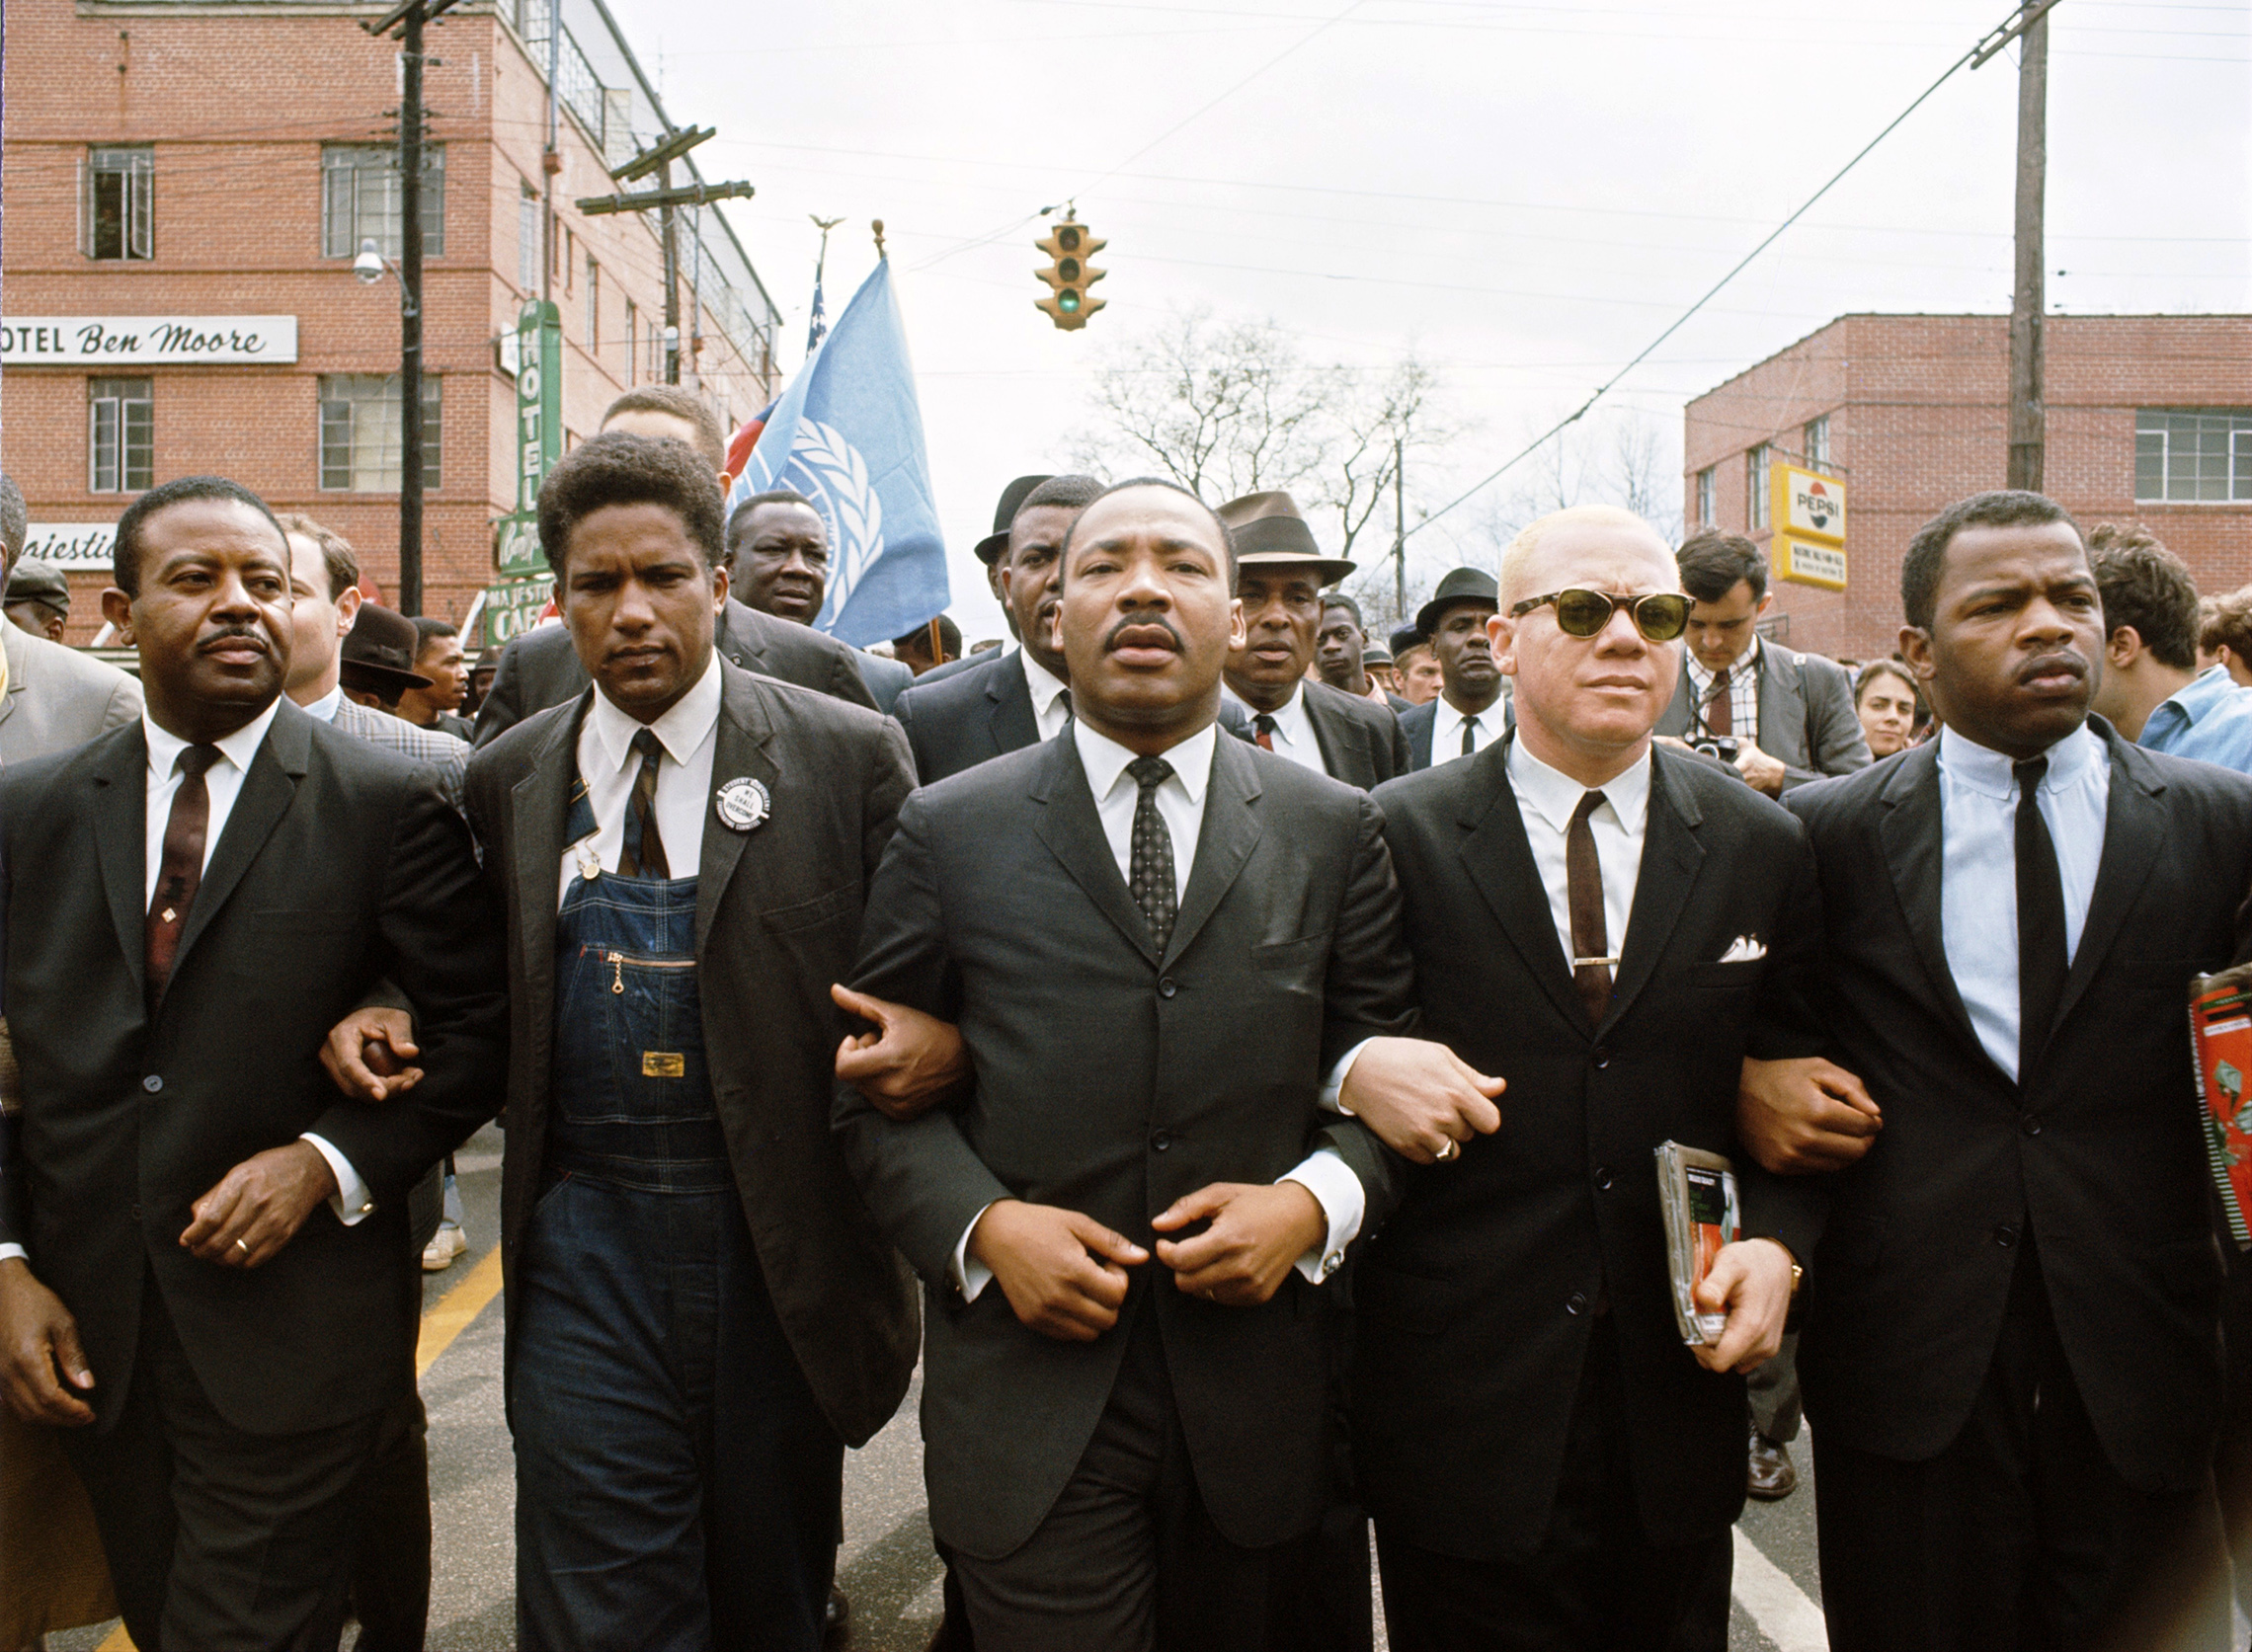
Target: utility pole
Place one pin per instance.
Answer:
(1399, 528)
(671, 279)
(659, 159)
(2029, 414)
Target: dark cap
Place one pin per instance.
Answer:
(1405, 638)
(1012, 498)
(33, 581)
(488, 660)
(1460, 586)
(1376, 654)
(378, 654)
(1268, 531)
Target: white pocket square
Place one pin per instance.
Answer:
(1744, 949)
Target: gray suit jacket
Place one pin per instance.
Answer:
(448, 757)
(885, 679)
(1806, 721)
(57, 697)
(1113, 1081)
(778, 910)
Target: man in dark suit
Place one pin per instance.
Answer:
(1610, 929)
(1470, 712)
(1116, 1449)
(225, 1353)
(2011, 1359)
(777, 548)
(701, 1316)
(1280, 576)
(1019, 697)
(1789, 714)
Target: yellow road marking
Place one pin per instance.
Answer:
(454, 1313)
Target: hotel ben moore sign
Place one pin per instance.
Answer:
(147, 341)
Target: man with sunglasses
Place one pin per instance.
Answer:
(1789, 714)
(1548, 1464)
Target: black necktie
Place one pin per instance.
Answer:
(181, 869)
(1150, 860)
(1064, 699)
(1262, 730)
(643, 856)
(2042, 963)
(1584, 893)
(1470, 737)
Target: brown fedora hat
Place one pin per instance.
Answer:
(1269, 531)
(378, 653)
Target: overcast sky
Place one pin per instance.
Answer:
(1525, 195)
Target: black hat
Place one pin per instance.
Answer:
(378, 654)
(1462, 585)
(1405, 638)
(1376, 654)
(1269, 531)
(1012, 500)
(33, 581)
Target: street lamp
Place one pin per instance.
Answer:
(368, 268)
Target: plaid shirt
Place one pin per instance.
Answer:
(447, 756)
(1744, 695)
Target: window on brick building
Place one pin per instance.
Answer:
(116, 203)
(1705, 497)
(2193, 454)
(527, 239)
(359, 198)
(1816, 442)
(594, 306)
(360, 433)
(120, 435)
(633, 344)
(1755, 488)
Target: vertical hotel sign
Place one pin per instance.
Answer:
(1808, 513)
(512, 606)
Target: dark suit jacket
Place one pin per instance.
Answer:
(968, 661)
(2101, 1153)
(968, 717)
(340, 866)
(1113, 1081)
(1361, 743)
(1806, 720)
(778, 910)
(540, 668)
(1477, 1300)
(1418, 724)
(885, 679)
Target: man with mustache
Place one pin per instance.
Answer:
(1157, 944)
(1468, 713)
(225, 1355)
(2010, 1354)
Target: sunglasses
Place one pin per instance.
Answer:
(1660, 617)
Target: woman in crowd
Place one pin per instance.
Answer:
(1891, 712)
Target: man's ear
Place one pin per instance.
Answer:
(1915, 649)
(118, 609)
(2122, 647)
(348, 610)
(720, 585)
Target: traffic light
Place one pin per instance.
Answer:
(1069, 245)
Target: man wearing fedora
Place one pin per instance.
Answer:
(1280, 579)
(993, 551)
(1470, 713)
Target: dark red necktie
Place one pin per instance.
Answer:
(183, 866)
(1262, 730)
(1590, 929)
(1719, 706)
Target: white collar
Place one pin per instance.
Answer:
(165, 747)
(1745, 660)
(323, 710)
(1452, 715)
(1554, 795)
(1105, 760)
(680, 731)
(1990, 772)
(1044, 683)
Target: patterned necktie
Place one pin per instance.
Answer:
(1470, 737)
(1262, 730)
(1583, 892)
(2041, 964)
(1150, 861)
(644, 853)
(1720, 713)
(182, 870)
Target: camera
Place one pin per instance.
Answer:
(1720, 747)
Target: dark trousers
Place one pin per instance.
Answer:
(1773, 1390)
(390, 1574)
(677, 1484)
(2019, 1536)
(1595, 1583)
(218, 1539)
(1128, 1559)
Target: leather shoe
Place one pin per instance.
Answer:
(1771, 1477)
(837, 1616)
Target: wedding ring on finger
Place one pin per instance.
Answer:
(1450, 1150)
(239, 1245)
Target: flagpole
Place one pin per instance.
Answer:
(814, 327)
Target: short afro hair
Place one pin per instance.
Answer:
(1926, 560)
(615, 468)
(1714, 562)
(685, 405)
(740, 514)
(1072, 493)
(1339, 600)
(125, 554)
(2147, 587)
(1226, 539)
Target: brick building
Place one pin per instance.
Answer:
(185, 185)
(2150, 419)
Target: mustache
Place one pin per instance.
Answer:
(2063, 660)
(226, 634)
(1136, 622)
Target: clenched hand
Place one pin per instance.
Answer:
(40, 1352)
(1750, 1281)
(1064, 1273)
(1257, 1234)
(1802, 1116)
(1420, 1098)
(908, 1064)
(258, 1207)
(368, 1051)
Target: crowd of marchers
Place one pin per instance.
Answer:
(1228, 1051)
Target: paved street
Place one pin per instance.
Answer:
(887, 1567)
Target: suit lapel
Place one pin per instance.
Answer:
(266, 790)
(121, 843)
(1782, 701)
(19, 673)
(1672, 859)
(1419, 736)
(1013, 721)
(1333, 735)
(537, 805)
(1230, 833)
(1682, 713)
(2134, 832)
(1500, 862)
(743, 736)
(1068, 825)
(1913, 834)
(737, 639)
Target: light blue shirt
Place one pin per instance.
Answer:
(1978, 880)
(2210, 720)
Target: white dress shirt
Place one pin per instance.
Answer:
(1293, 736)
(323, 710)
(1180, 799)
(1446, 729)
(1050, 711)
(608, 762)
(1546, 798)
(1743, 693)
(1977, 877)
